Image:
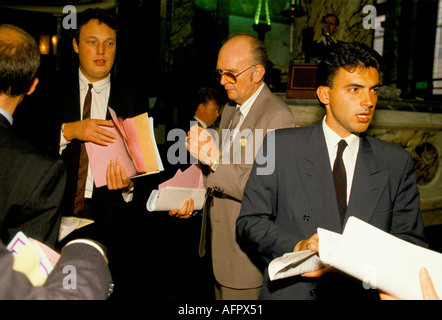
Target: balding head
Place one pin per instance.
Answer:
(19, 60)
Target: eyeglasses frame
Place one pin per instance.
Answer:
(222, 73)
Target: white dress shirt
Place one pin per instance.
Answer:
(350, 152)
(100, 97)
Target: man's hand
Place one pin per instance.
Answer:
(90, 130)
(201, 145)
(116, 177)
(312, 244)
(185, 212)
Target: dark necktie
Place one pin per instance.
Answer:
(83, 162)
(340, 180)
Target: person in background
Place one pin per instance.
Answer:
(327, 40)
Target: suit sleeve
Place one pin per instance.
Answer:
(257, 230)
(39, 217)
(407, 221)
(232, 178)
(81, 273)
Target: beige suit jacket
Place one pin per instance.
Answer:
(232, 267)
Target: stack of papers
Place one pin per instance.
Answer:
(135, 147)
(369, 254)
(172, 193)
(33, 258)
(69, 224)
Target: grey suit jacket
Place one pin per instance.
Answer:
(280, 209)
(90, 279)
(232, 267)
(31, 189)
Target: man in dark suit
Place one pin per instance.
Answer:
(32, 182)
(281, 211)
(92, 83)
(32, 188)
(241, 65)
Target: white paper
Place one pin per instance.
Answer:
(386, 262)
(377, 258)
(293, 264)
(174, 198)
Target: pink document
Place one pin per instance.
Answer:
(191, 178)
(135, 147)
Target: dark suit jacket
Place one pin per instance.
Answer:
(93, 279)
(31, 189)
(281, 209)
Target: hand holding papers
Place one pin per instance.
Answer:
(371, 255)
(33, 258)
(172, 193)
(135, 147)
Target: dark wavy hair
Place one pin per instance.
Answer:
(95, 13)
(347, 55)
(19, 61)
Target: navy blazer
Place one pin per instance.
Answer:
(288, 205)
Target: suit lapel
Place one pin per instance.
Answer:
(368, 183)
(317, 180)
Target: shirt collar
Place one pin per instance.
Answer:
(203, 124)
(245, 107)
(98, 85)
(6, 115)
(332, 138)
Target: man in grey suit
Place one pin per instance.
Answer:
(32, 188)
(377, 183)
(241, 65)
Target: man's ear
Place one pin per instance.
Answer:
(32, 87)
(323, 94)
(75, 45)
(259, 73)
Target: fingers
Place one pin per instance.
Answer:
(317, 273)
(91, 130)
(311, 243)
(116, 177)
(428, 291)
(186, 210)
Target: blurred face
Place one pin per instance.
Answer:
(96, 49)
(235, 57)
(351, 101)
(330, 25)
(209, 112)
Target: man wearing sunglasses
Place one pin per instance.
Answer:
(241, 66)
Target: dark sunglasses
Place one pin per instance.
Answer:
(230, 77)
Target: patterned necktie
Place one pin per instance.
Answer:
(83, 162)
(340, 180)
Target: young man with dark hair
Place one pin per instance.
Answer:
(327, 172)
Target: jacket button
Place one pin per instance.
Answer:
(313, 293)
(306, 217)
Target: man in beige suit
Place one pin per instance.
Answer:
(241, 65)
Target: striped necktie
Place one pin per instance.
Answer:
(83, 162)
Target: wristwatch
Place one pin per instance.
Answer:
(215, 164)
